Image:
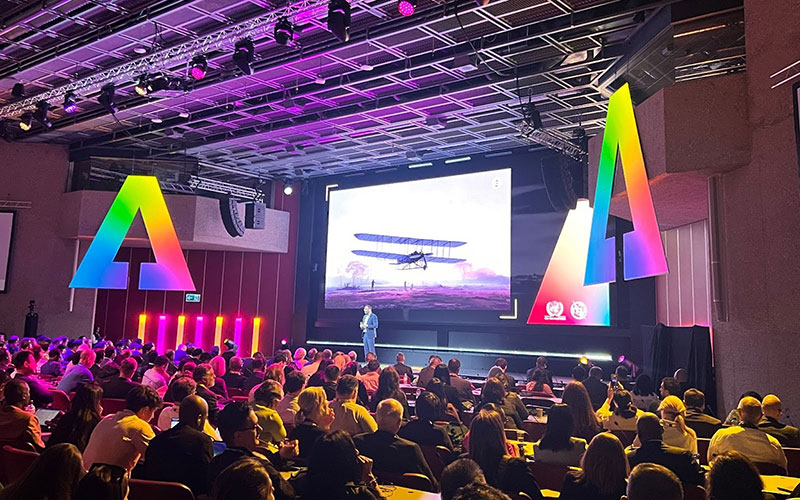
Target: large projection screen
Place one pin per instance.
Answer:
(440, 243)
(6, 233)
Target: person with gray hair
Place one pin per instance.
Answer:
(788, 435)
(746, 438)
(653, 482)
(391, 453)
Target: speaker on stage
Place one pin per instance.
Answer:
(563, 181)
(230, 217)
(255, 215)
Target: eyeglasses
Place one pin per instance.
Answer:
(256, 427)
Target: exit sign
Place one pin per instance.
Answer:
(192, 297)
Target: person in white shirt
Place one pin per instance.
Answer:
(287, 407)
(180, 389)
(676, 432)
(746, 438)
(157, 376)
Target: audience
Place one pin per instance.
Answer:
(78, 374)
(350, 416)
(653, 482)
(299, 358)
(541, 365)
(644, 392)
(103, 481)
(478, 491)
(267, 397)
(422, 430)
(25, 365)
(390, 453)
(311, 368)
(54, 475)
(181, 388)
(488, 447)
(538, 386)
(205, 378)
(247, 478)
(389, 388)
(618, 412)
(787, 435)
(676, 432)
(679, 460)
(746, 438)
(586, 423)
(458, 474)
(603, 472)
(579, 373)
(669, 387)
(426, 374)
(157, 376)
(314, 417)
(19, 427)
(256, 376)
(733, 416)
(234, 378)
(402, 369)
(462, 386)
(52, 368)
(493, 392)
(218, 365)
(594, 385)
(331, 376)
(371, 377)
(558, 446)
(118, 386)
(122, 438)
(500, 366)
(734, 477)
(287, 407)
(75, 426)
(702, 424)
(363, 397)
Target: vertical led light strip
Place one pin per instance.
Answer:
(179, 333)
(218, 332)
(563, 299)
(256, 335)
(161, 338)
(169, 272)
(237, 334)
(643, 251)
(198, 332)
(142, 327)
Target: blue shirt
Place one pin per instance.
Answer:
(75, 377)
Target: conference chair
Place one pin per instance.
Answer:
(437, 457)
(60, 400)
(143, 489)
(693, 492)
(408, 480)
(626, 437)
(112, 405)
(535, 430)
(769, 469)
(14, 462)
(549, 476)
(702, 449)
(793, 461)
(239, 399)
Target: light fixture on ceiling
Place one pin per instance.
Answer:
(339, 19)
(367, 67)
(243, 53)
(157, 83)
(287, 188)
(407, 7)
(140, 50)
(42, 107)
(106, 98)
(284, 31)
(18, 90)
(70, 102)
(26, 122)
(199, 67)
(141, 85)
(184, 114)
(319, 80)
(156, 120)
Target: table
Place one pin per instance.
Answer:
(550, 493)
(781, 486)
(400, 493)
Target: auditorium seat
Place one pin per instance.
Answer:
(549, 476)
(14, 462)
(235, 391)
(535, 430)
(702, 449)
(60, 400)
(437, 457)
(768, 469)
(142, 489)
(793, 459)
(693, 492)
(626, 437)
(111, 405)
(407, 480)
(239, 399)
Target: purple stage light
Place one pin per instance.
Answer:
(198, 73)
(71, 108)
(406, 7)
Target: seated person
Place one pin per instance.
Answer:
(204, 376)
(313, 419)
(389, 452)
(182, 454)
(602, 474)
(423, 431)
(179, 389)
(118, 386)
(267, 396)
(597, 389)
(371, 376)
(557, 446)
(75, 426)
(122, 438)
(53, 366)
(25, 364)
(109, 482)
(245, 478)
(653, 482)
(78, 374)
(538, 386)
(157, 376)
(676, 432)
(18, 427)
(287, 407)
(618, 412)
(53, 475)
(787, 435)
(350, 416)
(746, 438)
(703, 425)
(733, 476)
(680, 461)
(234, 378)
(458, 474)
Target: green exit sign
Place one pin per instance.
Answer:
(192, 297)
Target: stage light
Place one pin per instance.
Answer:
(156, 120)
(199, 67)
(621, 359)
(583, 360)
(243, 55)
(319, 80)
(287, 188)
(339, 19)
(70, 102)
(141, 85)
(284, 343)
(42, 107)
(284, 31)
(18, 90)
(106, 98)
(157, 83)
(407, 7)
(26, 122)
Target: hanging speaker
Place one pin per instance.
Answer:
(255, 215)
(229, 211)
(563, 181)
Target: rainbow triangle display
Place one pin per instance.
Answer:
(169, 272)
(563, 299)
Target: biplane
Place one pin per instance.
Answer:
(417, 259)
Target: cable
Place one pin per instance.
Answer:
(472, 46)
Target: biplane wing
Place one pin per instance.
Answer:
(402, 240)
(380, 255)
(443, 260)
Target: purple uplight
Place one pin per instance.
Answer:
(406, 7)
(71, 108)
(198, 73)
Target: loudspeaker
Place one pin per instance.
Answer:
(255, 215)
(229, 211)
(563, 181)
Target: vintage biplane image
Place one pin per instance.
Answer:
(417, 259)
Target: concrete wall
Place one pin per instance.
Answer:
(41, 261)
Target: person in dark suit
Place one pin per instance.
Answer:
(182, 454)
(463, 387)
(426, 374)
(204, 376)
(422, 430)
(402, 368)
(390, 453)
(772, 407)
(234, 378)
(118, 386)
(704, 425)
(653, 450)
(369, 330)
(25, 364)
(597, 389)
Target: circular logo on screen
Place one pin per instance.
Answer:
(555, 310)
(578, 310)
(496, 183)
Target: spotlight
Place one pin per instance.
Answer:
(407, 7)
(26, 122)
(287, 188)
(141, 85)
(583, 360)
(284, 31)
(157, 83)
(18, 90)
(199, 67)
(632, 367)
(243, 55)
(70, 102)
(106, 98)
(339, 19)
(284, 343)
(42, 107)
